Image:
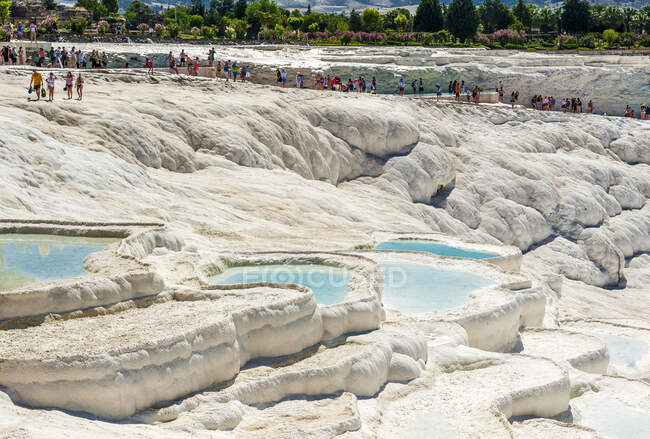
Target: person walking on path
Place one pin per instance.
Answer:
(50, 86)
(69, 79)
(80, 87)
(35, 84)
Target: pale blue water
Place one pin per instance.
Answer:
(615, 420)
(329, 284)
(25, 259)
(419, 288)
(625, 351)
(433, 247)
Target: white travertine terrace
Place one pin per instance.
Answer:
(211, 175)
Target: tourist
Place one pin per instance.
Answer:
(513, 100)
(468, 95)
(298, 80)
(50, 86)
(226, 70)
(373, 86)
(80, 86)
(35, 84)
(189, 63)
(246, 72)
(218, 69)
(32, 32)
(414, 85)
(628, 111)
(647, 112)
(457, 90)
(283, 74)
(438, 92)
(235, 71)
(69, 79)
(400, 87)
(501, 91)
(182, 58)
(150, 66)
(211, 53)
(21, 56)
(279, 76)
(196, 67)
(80, 58)
(172, 63)
(590, 107)
(420, 87)
(20, 31)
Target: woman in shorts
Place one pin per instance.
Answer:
(50, 86)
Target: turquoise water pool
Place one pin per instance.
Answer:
(433, 247)
(25, 259)
(624, 351)
(615, 420)
(329, 284)
(420, 288)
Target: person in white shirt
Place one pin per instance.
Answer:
(50, 86)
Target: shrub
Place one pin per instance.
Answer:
(644, 40)
(208, 32)
(627, 39)
(103, 27)
(505, 36)
(444, 36)
(173, 30)
(610, 36)
(588, 41)
(49, 24)
(77, 25)
(159, 30)
(195, 31)
(4, 36)
(346, 37)
(483, 39)
(143, 28)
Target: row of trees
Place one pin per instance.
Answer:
(433, 22)
(464, 20)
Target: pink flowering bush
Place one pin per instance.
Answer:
(483, 39)
(505, 36)
(143, 28)
(159, 30)
(195, 31)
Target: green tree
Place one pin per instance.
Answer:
(240, 9)
(355, 21)
(370, 19)
(428, 17)
(522, 13)
(610, 36)
(5, 10)
(401, 23)
(628, 17)
(111, 6)
(50, 5)
(494, 15)
(262, 14)
(576, 18)
(462, 19)
(197, 8)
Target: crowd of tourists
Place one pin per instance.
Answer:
(567, 105)
(61, 58)
(58, 57)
